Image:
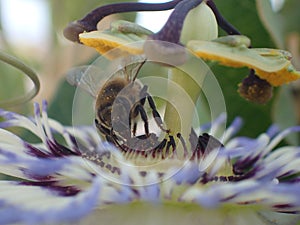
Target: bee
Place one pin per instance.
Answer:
(119, 102)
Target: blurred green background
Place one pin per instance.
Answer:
(52, 56)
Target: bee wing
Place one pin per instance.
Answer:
(83, 77)
(130, 65)
(91, 77)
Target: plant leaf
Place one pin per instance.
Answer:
(280, 24)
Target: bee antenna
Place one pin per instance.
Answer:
(138, 69)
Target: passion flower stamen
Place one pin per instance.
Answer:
(90, 21)
(171, 31)
(103, 184)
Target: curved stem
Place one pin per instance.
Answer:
(222, 22)
(171, 31)
(90, 21)
(29, 72)
(183, 92)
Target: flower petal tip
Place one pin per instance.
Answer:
(72, 31)
(272, 65)
(105, 42)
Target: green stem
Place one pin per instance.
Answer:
(29, 72)
(183, 92)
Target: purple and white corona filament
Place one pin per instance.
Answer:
(83, 181)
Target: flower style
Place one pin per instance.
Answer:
(193, 23)
(83, 181)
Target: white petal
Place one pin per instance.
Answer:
(37, 205)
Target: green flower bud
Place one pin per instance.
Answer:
(200, 24)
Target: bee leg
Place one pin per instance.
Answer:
(132, 115)
(134, 128)
(143, 95)
(105, 131)
(101, 128)
(144, 117)
(129, 123)
(155, 114)
(109, 138)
